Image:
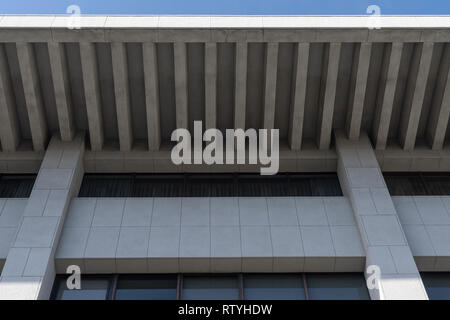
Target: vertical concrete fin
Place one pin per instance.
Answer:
(299, 85)
(61, 88)
(440, 107)
(92, 94)
(122, 95)
(240, 87)
(210, 85)
(386, 93)
(415, 94)
(328, 95)
(270, 85)
(151, 95)
(9, 130)
(357, 94)
(33, 97)
(181, 84)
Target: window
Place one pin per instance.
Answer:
(338, 286)
(332, 287)
(437, 285)
(210, 288)
(209, 185)
(274, 287)
(92, 288)
(148, 287)
(16, 185)
(418, 184)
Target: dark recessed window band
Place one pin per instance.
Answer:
(210, 185)
(273, 286)
(16, 185)
(418, 184)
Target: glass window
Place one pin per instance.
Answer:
(148, 287)
(16, 185)
(437, 184)
(106, 185)
(91, 289)
(325, 186)
(209, 185)
(418, 184)
(273, 287)
(437, 285)
(262, 186)
(210, 288)
(405, 185)
(337, 287)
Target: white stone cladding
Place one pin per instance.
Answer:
(29, 269)
(382, 234)
(141, 235)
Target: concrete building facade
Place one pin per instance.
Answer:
(105, 98)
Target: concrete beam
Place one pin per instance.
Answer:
(32, 93)
(379, 225)
(29, 270)
(210, 85)
(181, 84)
(151, 95)
(415, 94)
(9, 130)
(61, 87)
(122, 94)
(240, 87)
(357, 95)
(92, 94)
(440, 108)
(299, 85)
(386, 94)
(270, 85)
(328, 95)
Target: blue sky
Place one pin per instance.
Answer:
(225, 6)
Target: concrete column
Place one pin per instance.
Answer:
(29, 270)
(382, 234)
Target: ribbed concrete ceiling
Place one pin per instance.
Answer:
(392, 83)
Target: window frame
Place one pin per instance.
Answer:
(113, 280)
(63, 277)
